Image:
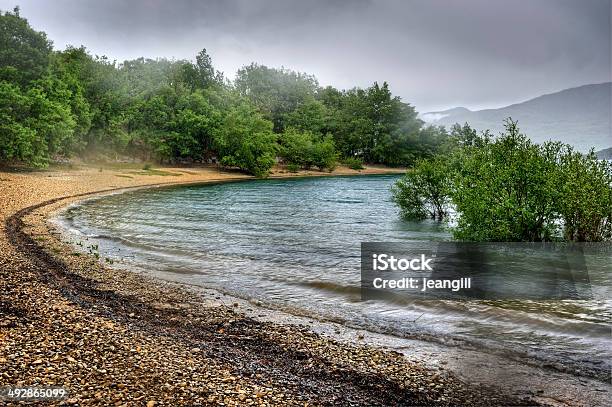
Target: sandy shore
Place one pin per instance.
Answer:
(112, 337)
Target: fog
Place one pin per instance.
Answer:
(434, 54)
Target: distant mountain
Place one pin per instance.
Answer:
(435, 116)
(605, 154)
(579, 116)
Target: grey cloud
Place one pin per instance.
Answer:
(435, 54)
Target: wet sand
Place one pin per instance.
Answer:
(113, 337)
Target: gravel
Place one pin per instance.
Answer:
(117, 338)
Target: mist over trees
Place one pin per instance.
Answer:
(56, 104)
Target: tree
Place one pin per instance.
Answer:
(463, 136)
(196, 120)
(17, 139)
(40, 107)
(50, 114)
(506, 190)
(207, 76)
(307, 149)
(324, 154)
(275, 92)
(106, 93)
(296, 147)
(24, 53)
(65, 76)
(311, 115)
(32, 125)
(143, 77)
(373, 125)
(424, 191)
(585, 203)
(245, 140)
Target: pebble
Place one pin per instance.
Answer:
(113, 337)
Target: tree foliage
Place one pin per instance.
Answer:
(585, 203)
(24, 52)
(275, 92)
(17, 139)
(61, 103)
(424, 192)
(245, 140)
(505, 190)
(510, 189)
(307, 150)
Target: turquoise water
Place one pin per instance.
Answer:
(295, 245)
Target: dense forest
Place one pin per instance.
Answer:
(58, 104)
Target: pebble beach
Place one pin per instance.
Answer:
(116, 338)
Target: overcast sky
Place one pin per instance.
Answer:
(435, 54)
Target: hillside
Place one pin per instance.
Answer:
(605, 154)
(578, 116)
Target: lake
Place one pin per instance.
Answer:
(295, 245)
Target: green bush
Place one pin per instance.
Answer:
(585, 203)
(324, 154)
(293, 167)
(245, 140)
(510, 189)
(353, 163)
(33, 127)
(296, 147)
(307, 150)
(506, 190)
(424, 191)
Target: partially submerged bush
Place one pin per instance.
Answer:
(505, 190)
(424, 191)
(585, 197)
(510, 189)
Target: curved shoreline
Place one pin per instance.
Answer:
(206, 352)
(441, 342)
(112, 337)
(451, 356)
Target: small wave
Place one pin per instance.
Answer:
(331, 287)
(269, 242)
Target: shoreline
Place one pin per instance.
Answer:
(488, 366)
(253, 362)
